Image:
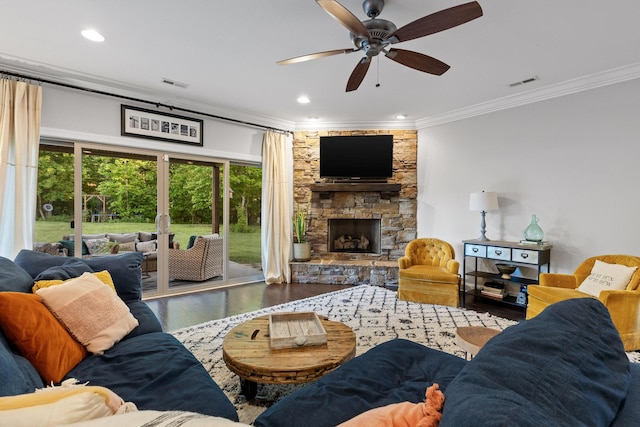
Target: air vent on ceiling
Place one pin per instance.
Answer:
(525, 81)
(174, 83)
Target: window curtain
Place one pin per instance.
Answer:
(20, 110)
(277, 199)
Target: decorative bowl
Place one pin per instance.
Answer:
(506, 270)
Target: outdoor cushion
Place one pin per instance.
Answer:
(567, 367)
(392, 372)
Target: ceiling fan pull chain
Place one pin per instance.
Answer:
(378, 71)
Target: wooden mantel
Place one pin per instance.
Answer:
(328, 187)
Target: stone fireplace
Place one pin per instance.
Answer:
(385, 213)
(354, 235)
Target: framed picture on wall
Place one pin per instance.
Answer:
(143, 123)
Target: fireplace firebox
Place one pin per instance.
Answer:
(354, 235)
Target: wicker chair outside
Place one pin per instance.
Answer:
(202, 261)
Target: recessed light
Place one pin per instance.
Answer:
(401, 116)
(303, 100)
(93, 35)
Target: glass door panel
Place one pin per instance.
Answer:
(245, 198)
(54, 214)
(119, 207)
(196, 208)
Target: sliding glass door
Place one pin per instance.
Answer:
(116, 200)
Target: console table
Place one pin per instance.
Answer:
(521, 255)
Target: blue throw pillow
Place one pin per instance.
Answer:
(70, 246)
(14, 278)
(124, 268)
(73, 267)
(565, 367)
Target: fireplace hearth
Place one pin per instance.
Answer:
(354, 235)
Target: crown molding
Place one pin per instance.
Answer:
(593, 81)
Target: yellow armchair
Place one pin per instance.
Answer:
(428, 273)
(623, 305)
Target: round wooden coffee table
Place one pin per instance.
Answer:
(247, 353)
(472, 338)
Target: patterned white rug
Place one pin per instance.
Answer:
(375, 315)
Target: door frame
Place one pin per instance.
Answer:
(163, 160)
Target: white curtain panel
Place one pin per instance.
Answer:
(277, 200)
(20, 110)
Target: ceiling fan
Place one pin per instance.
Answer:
(374, 36)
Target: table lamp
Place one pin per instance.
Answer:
(483, 202)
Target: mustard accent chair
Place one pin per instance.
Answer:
(429, 273)
(623, 305)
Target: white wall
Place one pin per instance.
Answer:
(574, 161)
(76, 115)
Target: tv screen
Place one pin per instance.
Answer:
(356, 157)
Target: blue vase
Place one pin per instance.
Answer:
(533, 232)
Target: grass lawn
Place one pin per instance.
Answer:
(244, 248)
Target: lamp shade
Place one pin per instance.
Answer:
(483, 201)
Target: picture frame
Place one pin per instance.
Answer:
(144, 123)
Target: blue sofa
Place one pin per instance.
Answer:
(147, 367)
(565, 367)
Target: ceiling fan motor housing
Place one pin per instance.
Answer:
(379, 31)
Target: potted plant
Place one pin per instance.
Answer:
(301, 248)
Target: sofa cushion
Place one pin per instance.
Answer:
(70, 246)
(71, 268)
(155, 371)
(567, 366)
(13, 278)
(123, 238)
(98, 246)
(125, 269)
(17, 374)
(147, 320)
(150, 246)
(90, 311)
(392, 372)
(38, 335)
(143, 236)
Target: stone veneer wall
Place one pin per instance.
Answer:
(397, 211)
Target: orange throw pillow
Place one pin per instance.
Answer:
(38, 335)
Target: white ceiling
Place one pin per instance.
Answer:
(226, 51)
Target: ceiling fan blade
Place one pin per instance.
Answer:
(358, 74)
(436, 22)
(346, 18)
(418, 61)
(314, 56)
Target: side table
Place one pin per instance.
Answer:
(472, 338)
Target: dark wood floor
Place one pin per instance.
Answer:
(180, 311)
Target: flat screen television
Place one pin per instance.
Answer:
(363, 157)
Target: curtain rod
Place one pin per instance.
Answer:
(144, 101)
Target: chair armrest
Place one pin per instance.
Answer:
(453, 266)
(624, 308)
(556, 280)
(404, 262)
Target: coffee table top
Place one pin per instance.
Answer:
(247, 352)
(472, 338)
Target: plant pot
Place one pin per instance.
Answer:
(301, 251)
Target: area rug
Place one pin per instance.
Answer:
(375, 314)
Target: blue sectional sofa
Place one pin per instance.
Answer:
(566, 367)
(147, 367)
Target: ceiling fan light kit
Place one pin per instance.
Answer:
(374, 36)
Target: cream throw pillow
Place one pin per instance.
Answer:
(606, 277)
(90, 311)
(60, 406)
